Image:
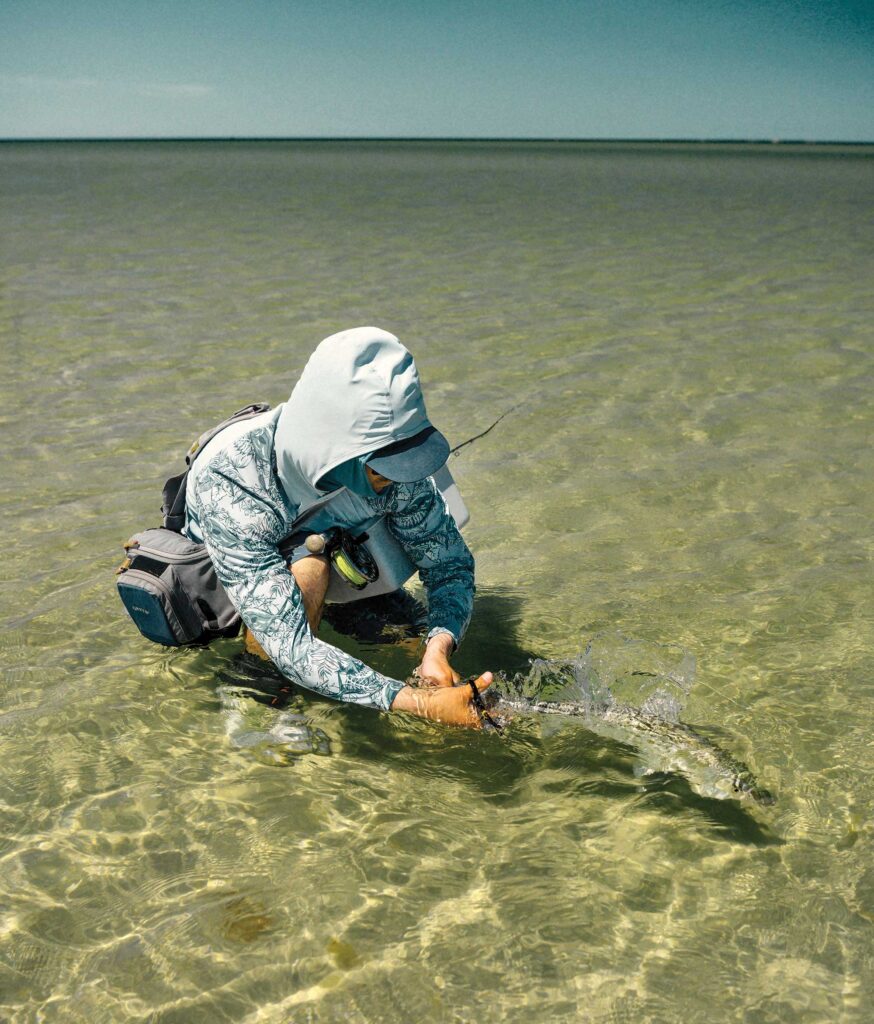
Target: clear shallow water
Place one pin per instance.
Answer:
(689, 333)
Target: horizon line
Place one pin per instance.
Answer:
(650, 140)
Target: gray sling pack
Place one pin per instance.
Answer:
(167, 582)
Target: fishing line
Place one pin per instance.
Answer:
(718, 693)
(470, 440)
(697, 682)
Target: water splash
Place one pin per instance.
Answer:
(632, 691)
(656, 678)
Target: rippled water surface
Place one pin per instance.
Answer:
(687, 478)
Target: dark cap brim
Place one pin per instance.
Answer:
(412, 459)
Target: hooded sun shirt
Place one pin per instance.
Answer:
(358, 393)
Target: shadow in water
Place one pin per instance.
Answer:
(492, 641)
(606, 767)
(385, 632)
(733, 820)
(386, 619)
(381, 623)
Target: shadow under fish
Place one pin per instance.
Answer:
(664, 745)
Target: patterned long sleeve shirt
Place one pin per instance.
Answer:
(240, 510)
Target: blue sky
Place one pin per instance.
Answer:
(544, 68)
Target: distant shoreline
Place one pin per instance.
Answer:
(508, 140)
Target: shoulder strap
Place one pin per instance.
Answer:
(173, 495)
(241, 414)
(173, 503)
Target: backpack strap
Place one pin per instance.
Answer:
(245, 413)
(173, 495)
(173, 503)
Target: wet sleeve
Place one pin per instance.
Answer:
(241, 534)
(426, 531)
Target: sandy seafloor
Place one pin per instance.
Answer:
(688, 333)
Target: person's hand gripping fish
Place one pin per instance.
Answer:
(446, 703)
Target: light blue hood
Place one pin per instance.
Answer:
(358, 393)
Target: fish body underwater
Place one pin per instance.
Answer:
(665, 746)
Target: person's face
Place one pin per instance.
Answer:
(377, 482)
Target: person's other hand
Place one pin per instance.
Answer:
(435, 668)
(450, 705)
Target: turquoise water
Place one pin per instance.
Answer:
(687, 332)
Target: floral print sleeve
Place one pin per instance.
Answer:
(419, 519)
(239, 510)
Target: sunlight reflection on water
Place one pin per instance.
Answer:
(688, 331)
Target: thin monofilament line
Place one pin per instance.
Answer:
(718, 693)
(470, 440)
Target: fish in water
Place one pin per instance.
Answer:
(665, 745)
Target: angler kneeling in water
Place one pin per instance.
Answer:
(351, 451)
